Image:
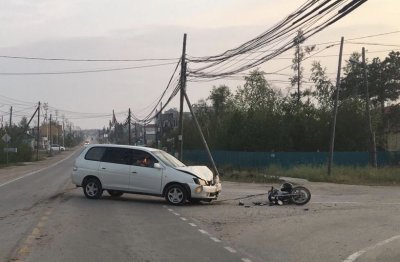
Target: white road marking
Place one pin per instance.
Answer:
(183, 218)
(193, 225)
(230, 249)
(176, 214)
(203, 231)
(171, 210)
(215, 239)
(345, 202)
(164, 206)
(246, 260)
(356, 255)
(37, 171)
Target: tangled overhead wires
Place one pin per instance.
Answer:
(173, 81)
(309, 19)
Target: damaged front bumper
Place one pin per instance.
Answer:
(205, 192)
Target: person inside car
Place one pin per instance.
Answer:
(145, 161)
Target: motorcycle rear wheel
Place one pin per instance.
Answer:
(300, 195)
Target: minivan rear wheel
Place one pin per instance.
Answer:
(92, 188)
(176, 194)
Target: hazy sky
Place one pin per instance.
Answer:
(105, 29)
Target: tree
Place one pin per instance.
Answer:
(256, 93)
(323, 86)
(221, 99)
(299, 54)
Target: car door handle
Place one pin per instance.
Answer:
(103, 168)
(134, 172)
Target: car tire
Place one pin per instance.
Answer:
(92, 188)
(176, 194)
(115, 193)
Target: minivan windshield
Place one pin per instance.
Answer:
(168, 159)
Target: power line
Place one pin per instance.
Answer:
(377, 44)
(87, 60)
(311, 18)
(84, 71)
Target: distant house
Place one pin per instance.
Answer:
(49, 134)
(151, 136)
(169, 119)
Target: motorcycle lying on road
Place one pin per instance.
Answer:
(288, 193)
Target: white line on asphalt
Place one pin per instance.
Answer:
(37, 171)
(176, 214)
(215, 239)
(354, 256)
(230, 249)
(171, 210)
(193, 225)
(164, 206)
(369, 203)
(337, 202)
(183, 218)
(203, 231)
(246, 260)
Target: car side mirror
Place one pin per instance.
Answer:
(157, 165)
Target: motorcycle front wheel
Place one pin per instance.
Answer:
(300, 195)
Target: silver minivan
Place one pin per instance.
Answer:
(123, 169)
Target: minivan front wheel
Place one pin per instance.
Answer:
(176, 194)
(93, 189)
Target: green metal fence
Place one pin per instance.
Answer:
(287, 159)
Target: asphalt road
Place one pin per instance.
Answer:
(43, 217)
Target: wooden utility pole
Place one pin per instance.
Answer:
(51, 136)
(129, 127)
(298, 72)
(11, 109)
(183, 89)
(335, 106)
(161, 126)
(63, 130)
(38, 132)
(372, 145)
(144, 134)
(136, 134)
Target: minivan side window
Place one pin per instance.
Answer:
(95, 153)
(118, 155)
(143, 159)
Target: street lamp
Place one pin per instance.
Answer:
(372, 144)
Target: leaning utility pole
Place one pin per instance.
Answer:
(38, 132)
(203, 140)
(183, 88)
(372, 145)
(335, 106)
(129, 127)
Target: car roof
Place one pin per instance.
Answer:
(148, 149)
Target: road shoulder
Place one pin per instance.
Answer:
(11, 173)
